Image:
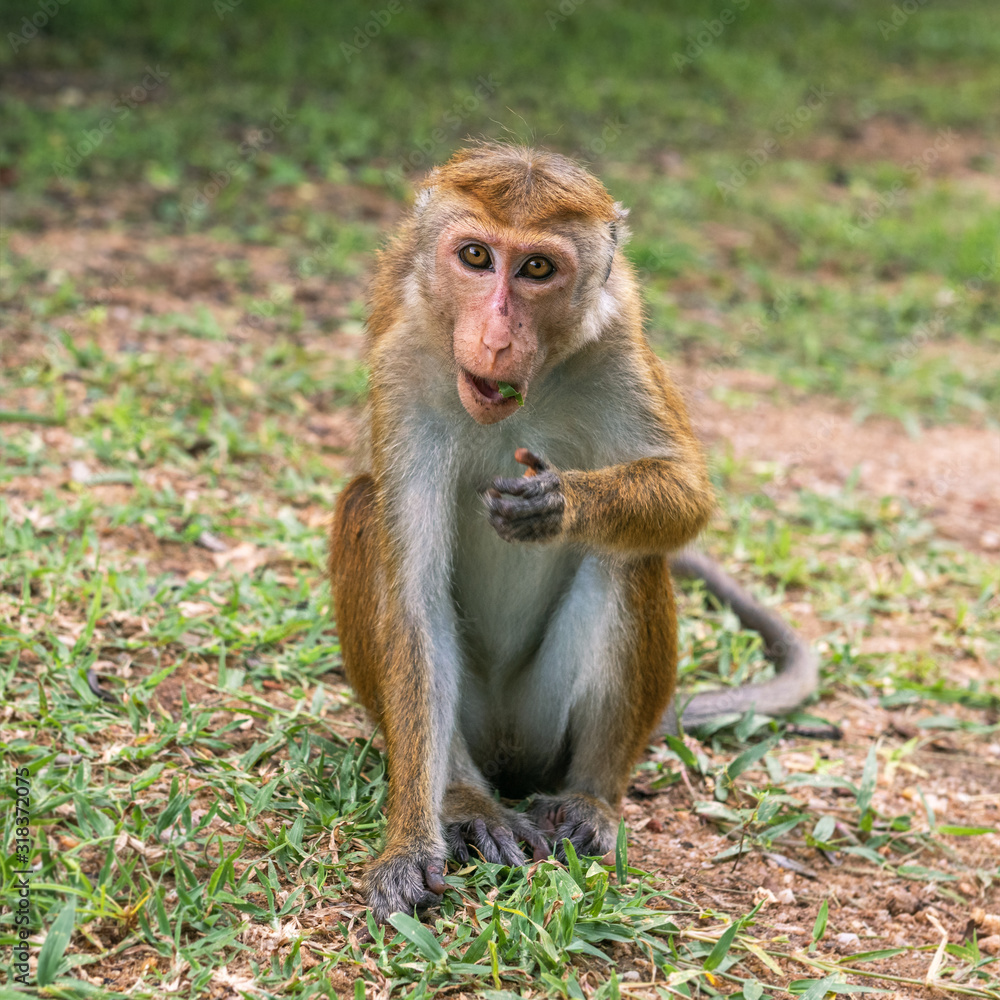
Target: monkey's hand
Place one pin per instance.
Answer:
(589, 823)
(403, 880)
(528, 509)
(473, 819)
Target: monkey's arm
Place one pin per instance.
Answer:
(795, 660)
(414, 670)
(649, 505)
(410, 870)
(640, 505)
(656, 502)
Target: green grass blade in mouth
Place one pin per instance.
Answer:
(509, 392)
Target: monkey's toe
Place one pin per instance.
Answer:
(397, 882)
(474, 833)
(493, 841)
(496, 841)
(587, 840)
(588, 823)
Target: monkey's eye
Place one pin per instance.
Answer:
(537, 267)
(476, 256)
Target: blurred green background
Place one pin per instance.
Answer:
(814, 186)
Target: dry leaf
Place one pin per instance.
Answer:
(244, 558)
(193, 609)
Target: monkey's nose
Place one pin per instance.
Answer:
(495, 343)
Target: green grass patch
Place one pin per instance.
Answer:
(195, 801)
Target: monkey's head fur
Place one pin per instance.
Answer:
(511, 258)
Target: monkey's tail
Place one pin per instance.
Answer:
(796, 663)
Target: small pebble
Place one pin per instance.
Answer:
(764, 895)
(79, 471)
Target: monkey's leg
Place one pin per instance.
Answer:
(354, 569)
(472, 818)
(617, 638)
(388, 658)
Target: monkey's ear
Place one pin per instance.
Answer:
(611, 256)
(427, 190)
(424, 196)
(619, 233)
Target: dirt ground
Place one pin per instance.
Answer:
(952, 473)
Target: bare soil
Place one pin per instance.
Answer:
(951, 474)
(966, 158)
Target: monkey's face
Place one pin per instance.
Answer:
(509, 293)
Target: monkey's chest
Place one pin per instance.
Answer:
(507, 599)
(505, 596)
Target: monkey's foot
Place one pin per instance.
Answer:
(403, 881)
(588, 823)
(472, 819)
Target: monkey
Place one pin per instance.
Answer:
(515, 635)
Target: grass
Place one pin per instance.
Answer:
(840, 272)
(203, 791)
(216, 793)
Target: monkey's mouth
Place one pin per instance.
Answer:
(487, 389)
(483, 399)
